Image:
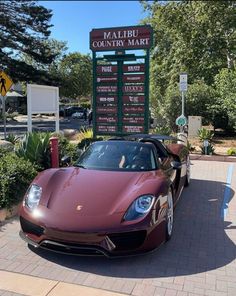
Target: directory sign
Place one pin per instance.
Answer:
(120, 84)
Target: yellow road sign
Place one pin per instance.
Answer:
(5, 83)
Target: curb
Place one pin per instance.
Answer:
(22, 284)
(223, 158)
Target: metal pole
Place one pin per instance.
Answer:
(181, 127)
(182, 103)
(94, 95)
(147, 116)
(4, 117)
(29, 109)
(120, 93)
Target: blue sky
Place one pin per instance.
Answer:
(73, 20)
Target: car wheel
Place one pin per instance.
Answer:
(169, 215)
(188, 174)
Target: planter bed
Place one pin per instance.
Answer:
(9, 213)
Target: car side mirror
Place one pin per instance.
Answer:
(66, 160)
(176, 165)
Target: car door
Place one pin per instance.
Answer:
(165, 160)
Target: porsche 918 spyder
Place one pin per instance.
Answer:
(118, 199)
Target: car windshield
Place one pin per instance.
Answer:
(119, 155)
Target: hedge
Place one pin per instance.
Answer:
(15, 176)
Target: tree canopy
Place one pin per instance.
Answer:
(24, 29)
(75, 71)
(197, 37)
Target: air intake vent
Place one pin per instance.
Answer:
(128, 240)
(29, 227)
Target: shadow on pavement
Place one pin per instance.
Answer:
(201, 241)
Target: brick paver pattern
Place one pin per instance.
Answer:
(198, 260)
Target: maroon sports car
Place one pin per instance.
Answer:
(118, 199)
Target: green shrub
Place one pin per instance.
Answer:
(220, 119)
(86, 142)
(16, 175)
(85, 137)
(67, 149)
(162, 130)
(209, 150)
(86, 104)
(190, 147)
(12, 138)
(231, 151)
(35, 147)
(3, 152)
(6, 146)
(85, 134)
(205, 134)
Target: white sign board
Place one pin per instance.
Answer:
(194, 124)
(183, 82)
(42, 99)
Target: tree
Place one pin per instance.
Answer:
(225, 84)
(56, 48)
(24, 29)
(197, 101)
(75, 71)
(197, 37)
(193, 36)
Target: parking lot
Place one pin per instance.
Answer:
(42, 124)
(198, 260)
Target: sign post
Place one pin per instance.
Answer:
(120, 80)
(183, 86)
(4, 117)
(5, 85)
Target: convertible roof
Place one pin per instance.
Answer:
(152, 136)
(157, 137)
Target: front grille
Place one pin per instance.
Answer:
(72, 248)
(128, 240)
(29, 227)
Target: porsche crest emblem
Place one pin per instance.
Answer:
(79, 208)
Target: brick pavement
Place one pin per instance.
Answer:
(198, 260)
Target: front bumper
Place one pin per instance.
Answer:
(91, 244)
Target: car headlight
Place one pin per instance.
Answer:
(33, 196)
(139, 207)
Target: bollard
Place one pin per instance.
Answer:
(183, 137)
(205, 145)
(54, 152)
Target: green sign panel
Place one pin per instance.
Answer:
(120, 80)
(181, 120)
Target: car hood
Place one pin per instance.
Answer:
(94, 194)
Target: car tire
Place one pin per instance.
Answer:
(188, 173)
(169, 215)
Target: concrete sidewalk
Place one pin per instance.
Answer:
(18, 284)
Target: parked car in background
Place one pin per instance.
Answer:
(69, 111)
(62, 111)
(78, 114)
